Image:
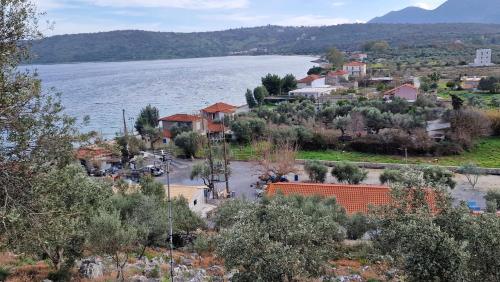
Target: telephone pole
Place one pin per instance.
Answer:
(226, 172)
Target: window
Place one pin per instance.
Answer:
(195, 202)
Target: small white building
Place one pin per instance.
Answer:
(356, 69)
(311, 81)
(483, 58)
(195, 196)
(313, 93)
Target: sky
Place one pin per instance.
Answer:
(82, 16)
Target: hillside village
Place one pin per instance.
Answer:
(370, 168)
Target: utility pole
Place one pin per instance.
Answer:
(226, 172)
(126, 134)
(170, 232)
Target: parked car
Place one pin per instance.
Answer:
(154, 171)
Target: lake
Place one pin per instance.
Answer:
(102, 90)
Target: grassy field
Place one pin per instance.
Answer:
(485, 154)
(486, 97)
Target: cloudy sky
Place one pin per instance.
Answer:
(77, 16)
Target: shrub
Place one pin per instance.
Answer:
(62, 275)
(316, 170)
(494, 117)
(189, 142)
(390, 176)
(349, 173)
(447, 148)
(493, 197)
(357, 225)
(4, 273)
(203, 244)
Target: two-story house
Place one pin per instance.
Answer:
(356, 69)
(405, 91)
(336, 77)
(213, 119)
(180, 122)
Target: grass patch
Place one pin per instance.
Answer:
(485, 154)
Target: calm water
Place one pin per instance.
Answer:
(102, 90)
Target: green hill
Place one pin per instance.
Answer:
(145, 45)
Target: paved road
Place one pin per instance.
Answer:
(244, 175)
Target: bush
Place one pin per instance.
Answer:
(62, 275)
(349, 173)
(4, 273)
(203, 244)
(493, 197)
(447, 148)
(357, 225)
(494, 117)
(391, 176)
(189, 142)
(316, 170)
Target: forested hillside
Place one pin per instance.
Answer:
(144, 45)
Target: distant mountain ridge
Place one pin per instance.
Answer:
(128, 45)
(452, 11)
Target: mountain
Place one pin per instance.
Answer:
(452, 11)
(144, 45)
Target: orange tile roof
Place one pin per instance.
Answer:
(354, 198)
(181, 118)
(354, 64)
(220, 108)
(309, 78)
(337, 73)
(215, 127)
(93, 152)
(407, 85)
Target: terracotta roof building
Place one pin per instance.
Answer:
(405, 91)
(353, 198)
(220, 108)
(181, 118)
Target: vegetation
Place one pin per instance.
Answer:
(349, 173)
(434, 40)
(316, 170)
(189, 142)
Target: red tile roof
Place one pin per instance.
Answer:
(354, 198)
(354, 64)
(309, 78)
(215, 127)
(93, 152)
(337, 73)
(181, 118)
(393, 91)
(220, 108)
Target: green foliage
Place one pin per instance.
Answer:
(226, 214)
(260, 93)
(349, 173)
(148, 117)
(316, 170)
(391, 176)
(204, 244)
(249, 96)
(315, 70)
(335, 57)
(187, 221)
(490, 84)
(246, 130)
(289, 83)
(375, 46)
(150, 187)
(494, 198)
(357, 225)
(292, 236)
(273, 84)
(4, 273)
(189, 142)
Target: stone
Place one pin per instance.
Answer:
(138, 278)
(91, 268)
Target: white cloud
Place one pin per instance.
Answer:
(338, 4)
(44, 5)
(183, 4)
(313, 20)
(429, 5)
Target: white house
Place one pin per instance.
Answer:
(311, 81)
(313, 93)
(356, 69)
(483, 58)
(195, 197)
(405, 91)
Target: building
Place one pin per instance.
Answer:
(97, 158)
(470, 82)
(195, 196)
(181, 122)
(359, 57)
(311, 81)
(405, 91)
(483, 58)
(213, 118)
(313, 93)
(437, 129)
(336, 77)
(356, 69)
(353, 198)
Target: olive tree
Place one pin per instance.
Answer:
(349, 173)
(472, 172)
(288, 243)
(316, 171)
(189, 142)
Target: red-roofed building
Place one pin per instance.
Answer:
(311, 81)
(180, 122)
(356, 69)
(353, 198)
(213, 116)
(336, 77)
(97, 157)
(405, 91)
